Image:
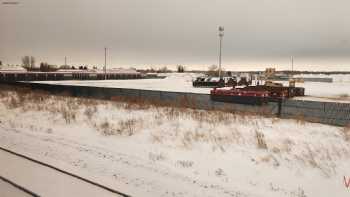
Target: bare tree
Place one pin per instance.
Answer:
(32, 62)
(45, 67)
(213, 70)
(26, 62)
(180, 68)
(163, 69)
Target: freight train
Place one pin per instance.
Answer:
(240, 96)
(256, 95)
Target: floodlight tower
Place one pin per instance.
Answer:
(105, 66)
(291, 77)
(221, 35)
(292, 60)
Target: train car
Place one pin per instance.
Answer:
(277, 90)
(257, 95)
(239, 96)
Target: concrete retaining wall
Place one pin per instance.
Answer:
(194, 100)
(324, 112)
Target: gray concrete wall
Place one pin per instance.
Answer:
(323, 112)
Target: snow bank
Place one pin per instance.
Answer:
(158, 151)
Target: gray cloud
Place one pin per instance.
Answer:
(171, 32)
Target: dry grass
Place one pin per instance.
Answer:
(136, 103)
(126, 127)
(156, 138)
(300, 119)
(260, 138)
(192, 126)
(184, 163)
(287, 145)
(68, 115)
(270, 159)
(156, 156)
(106, 128)
(346, 132)
(14, 103)
(90, 111)
(275, 120)
(27, 99)
(220, 172)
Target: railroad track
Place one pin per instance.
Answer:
(92, 183)
(19, 187)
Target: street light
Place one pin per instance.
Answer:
(292, 60)
(105, 66)
(221, 35)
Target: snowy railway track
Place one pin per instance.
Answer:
(45, 165)
(18, 187)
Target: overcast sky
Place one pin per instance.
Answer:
(164, 32)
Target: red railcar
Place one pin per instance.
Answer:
(240, 96)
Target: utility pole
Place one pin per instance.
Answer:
(65, 60)
(105, 67)
(291, 77)
(221, 35)
(292, 64)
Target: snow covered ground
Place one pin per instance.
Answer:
(8, 190)
(157, 151)
(339, 90)
(174, 82)
(44, 181)
(335, 77)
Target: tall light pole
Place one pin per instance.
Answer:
(105, 67)
(65, 60)
(291, 77)
(292, 60)
(221, 35)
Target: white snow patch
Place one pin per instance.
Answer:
(159, 151)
